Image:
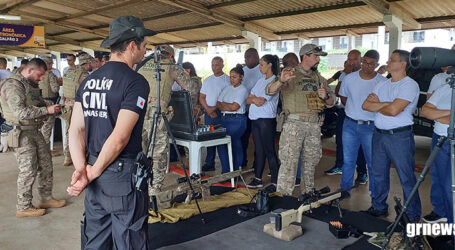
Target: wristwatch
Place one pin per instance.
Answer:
(328, 97)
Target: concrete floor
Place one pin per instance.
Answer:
(60, 228)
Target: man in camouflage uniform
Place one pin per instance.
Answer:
(169, 74)
(49, 89)
(24, 110)
(304, 93)
(71, 81)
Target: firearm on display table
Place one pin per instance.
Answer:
(201, 186)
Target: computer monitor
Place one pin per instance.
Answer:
(183, 119)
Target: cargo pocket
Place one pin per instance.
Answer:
(118, 195)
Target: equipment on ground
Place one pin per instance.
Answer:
(286, 224)
(200, 186)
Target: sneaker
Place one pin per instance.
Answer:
(55, 153)
(333, 171)
(434, 218)
(376, 213)
(361, 179)
(207, 168)
(255, 183)
(297, 182)
(30, 212)
(270, 188)
(52, 203)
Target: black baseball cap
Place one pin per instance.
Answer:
(124, 28)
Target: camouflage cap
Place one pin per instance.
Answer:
(309, 48)
(166, 48)
(124, 28)
(47, 59)
(84, 58)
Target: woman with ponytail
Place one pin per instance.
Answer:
(263, 121)
(232, 104)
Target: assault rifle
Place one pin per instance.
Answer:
(163, 199)
(283, 222)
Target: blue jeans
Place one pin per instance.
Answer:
(354, 136)
(235, 127)
(441, 175)
(211, 151)
(361, 163)
(398, 148)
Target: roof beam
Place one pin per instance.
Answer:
(76, 43)
(383, 7)
(98, 10)
(16, 4)
(352, 33)
(229, 3)
(343, 27)
(305, 11)
(219, 16)
(63, 24)
(204, 41)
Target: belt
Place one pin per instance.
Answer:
(307, 118)
(359, 122)
(25, 127)
(233, 115)
(393, 131)
(117, 166)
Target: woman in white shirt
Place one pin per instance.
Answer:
(263, 121)
(232, 104)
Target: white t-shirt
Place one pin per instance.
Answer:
(56, 73)
(437, 81)
(4, 73)
(251, 77)
(212, 87)
(231, 95)
(176, 87)
(268, 109)
(441, 98)
(356, 90)
(387, 91)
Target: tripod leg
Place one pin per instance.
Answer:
(422, 175)
(173, 142)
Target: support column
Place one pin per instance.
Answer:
(58, 60)
(253, 39)
(395, 26)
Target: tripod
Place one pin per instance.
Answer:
(430, 160)
(159, 114)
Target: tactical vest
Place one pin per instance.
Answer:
(45, 86)
(71, 82)
(148, 71)
(303, 97)
(32, 98)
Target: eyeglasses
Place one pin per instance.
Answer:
(373, 64)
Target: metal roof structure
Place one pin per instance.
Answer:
(72, 25)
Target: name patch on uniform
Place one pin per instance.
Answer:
(140, 102)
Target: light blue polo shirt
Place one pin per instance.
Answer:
(212, 87)
(231, 95)
(387, 91)
(251, 77)
(437, 81)
(268, 109)
(441, 98)
(356, 90)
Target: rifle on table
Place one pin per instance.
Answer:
(163, 199)
(282, 223)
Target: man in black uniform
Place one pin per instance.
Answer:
(104, 139)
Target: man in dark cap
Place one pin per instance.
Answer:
(104, 139)
(305, 93)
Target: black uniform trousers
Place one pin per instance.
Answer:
(115, 211)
